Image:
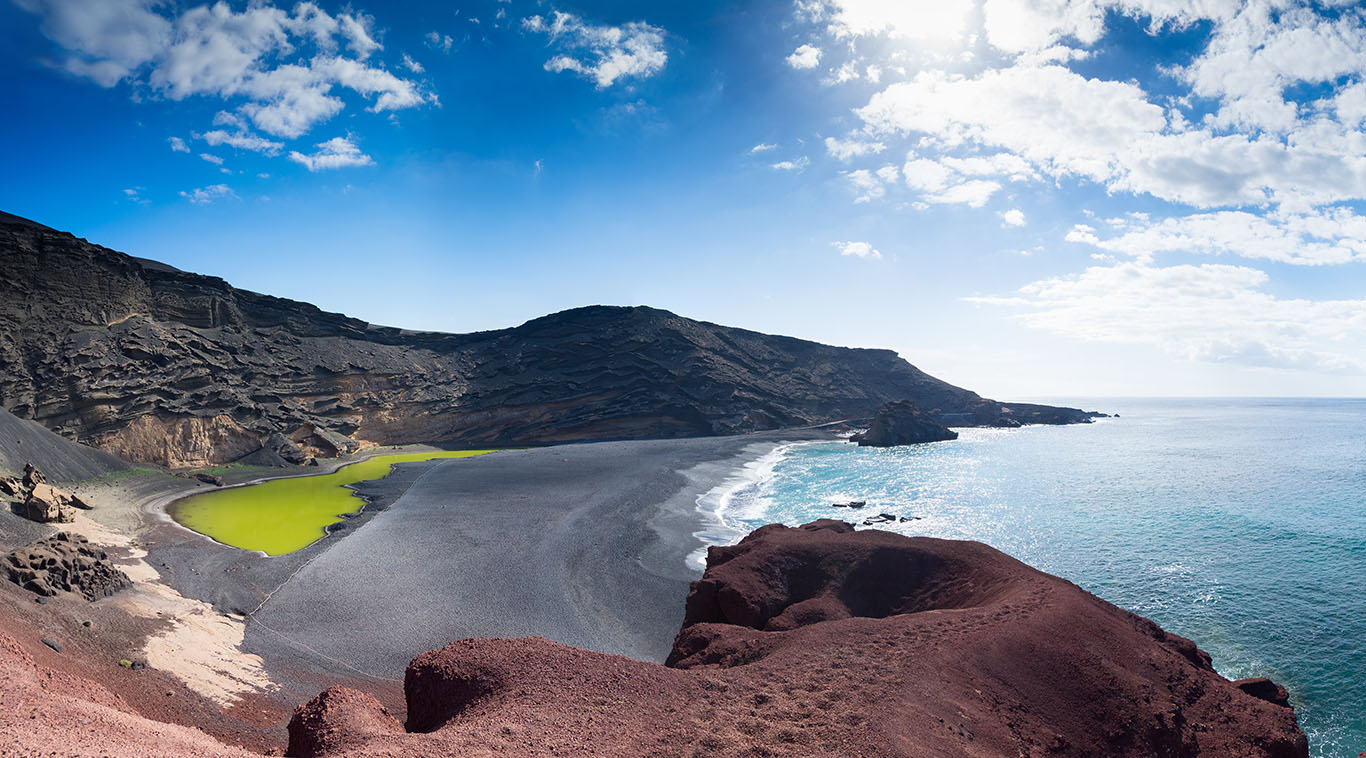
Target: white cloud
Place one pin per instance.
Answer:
(412, 65)
(1332, 236)
(805, 56)
(438, 41)
(1211, 312)
(869, 186)
(359, 36)
(797, 166)
(215, 160)
(858, 250)
(134, 194)
(605, 54)
(242, 140)
(762, 147)
(852, 148)
(943, 20)
(1013, 217)
(254, 55)
(338, 152)
(942, 182)
(206, 195)
(178, 144)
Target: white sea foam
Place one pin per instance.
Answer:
(738, 497)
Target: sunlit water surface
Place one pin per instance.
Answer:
(1238, 523)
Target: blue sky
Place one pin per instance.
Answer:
(1025, 197)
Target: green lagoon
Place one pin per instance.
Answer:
(284, 515)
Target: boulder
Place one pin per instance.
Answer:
(47, 504)
(1265, 689)
(901, 423)
(32, 476)
(213, 479)
(77, 501)
(64, 562)
(12, 487)
(337, 719)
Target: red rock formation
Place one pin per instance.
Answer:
(823, 640)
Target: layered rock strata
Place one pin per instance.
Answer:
(159, 365)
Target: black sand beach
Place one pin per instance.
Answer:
(584, 544)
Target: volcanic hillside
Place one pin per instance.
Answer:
(158, 365)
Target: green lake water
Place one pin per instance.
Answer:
(284, 515)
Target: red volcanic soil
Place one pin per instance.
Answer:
(823, 640)
(816, 640)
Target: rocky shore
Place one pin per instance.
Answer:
(797, 641)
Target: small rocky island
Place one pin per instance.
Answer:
(900, 422)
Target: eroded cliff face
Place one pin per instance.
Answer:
(159, 365)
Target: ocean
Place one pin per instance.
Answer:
(1240, 523)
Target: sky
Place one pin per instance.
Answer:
(1028, 198)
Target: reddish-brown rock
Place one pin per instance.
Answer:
(820, 640)
(338, 718)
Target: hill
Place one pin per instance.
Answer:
(159, 365)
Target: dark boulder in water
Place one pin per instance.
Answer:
(901, 423)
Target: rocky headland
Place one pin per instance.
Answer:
(159, 365)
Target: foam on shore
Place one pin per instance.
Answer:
(738, 497)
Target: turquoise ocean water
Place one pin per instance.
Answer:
(1238, 523)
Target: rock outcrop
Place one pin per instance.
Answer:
(901, 423)
(159, 365)
(39, 501)
(48, 505)
(820, 640)
(64, 563)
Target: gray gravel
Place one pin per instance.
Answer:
(583, 544)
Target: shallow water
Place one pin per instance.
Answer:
(1238, 523)
(285, 515)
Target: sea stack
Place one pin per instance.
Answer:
(900, 422)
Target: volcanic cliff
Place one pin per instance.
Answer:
(159, 365)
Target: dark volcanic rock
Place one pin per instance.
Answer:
(64, 563)
(213, 479)
(1265, 689)
(155, 364)
(902, 423)
(820, 640)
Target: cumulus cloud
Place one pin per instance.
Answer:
(605, 54)
(935, 21)
(852, 148)
(178, 144)
(338, 152)
(412, 65)
(1209, 312)
(806, 56)
(286, 68)
(858, 250)
(762, 147)
(215, 160)
(206, 195)
(796, 166)
(1013, 217)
